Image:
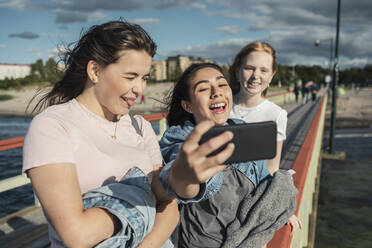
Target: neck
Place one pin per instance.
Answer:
(246, 100)
(89, 100)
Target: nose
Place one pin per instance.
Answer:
(139, 87)
(256, 73)
(216, 92)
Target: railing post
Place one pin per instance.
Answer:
(162, 127)
(36, 201)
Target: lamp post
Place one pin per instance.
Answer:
(334, 85)
(334, 79)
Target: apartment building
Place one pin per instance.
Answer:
(14, 70)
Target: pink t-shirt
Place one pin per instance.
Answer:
(70, 133)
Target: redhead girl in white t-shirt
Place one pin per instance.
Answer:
(250, 75)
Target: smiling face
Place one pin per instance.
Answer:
(256, 73)
(119, 84)
(210, 96)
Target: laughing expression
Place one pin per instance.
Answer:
(210, 96)
(256, 72)
(122, 82)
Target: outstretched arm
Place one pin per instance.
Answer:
(192, 166)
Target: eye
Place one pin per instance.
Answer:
(146, 78)
(203, 89)
(223, 84)
(129, 78)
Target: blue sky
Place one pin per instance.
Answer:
(213, 29)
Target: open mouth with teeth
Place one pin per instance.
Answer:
(253, 84)
(218, 108)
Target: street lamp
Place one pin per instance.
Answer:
(329, 76)
(317, 43)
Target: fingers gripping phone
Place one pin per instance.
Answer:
(253, 141)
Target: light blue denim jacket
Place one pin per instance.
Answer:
(130, 200)
(172, 141)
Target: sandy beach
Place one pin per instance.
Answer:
(354, 109)
(17, 106)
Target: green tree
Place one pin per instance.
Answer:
(37, 69)
(51, 72)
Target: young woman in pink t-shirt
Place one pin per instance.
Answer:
(85, 139)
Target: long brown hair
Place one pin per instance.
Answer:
(256, 46)
(101, 43)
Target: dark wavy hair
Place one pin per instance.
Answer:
(176, 114)
(100, 43)
(256, 46)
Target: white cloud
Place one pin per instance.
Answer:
(14, 4)
(145, 21)
(230, 29)
(67, 16)
(52, 53)
(35, 51)
(355, 62)
(222, 52)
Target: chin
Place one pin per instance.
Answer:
(220, 121)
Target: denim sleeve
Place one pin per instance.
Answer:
(163, 177)
(262, 171)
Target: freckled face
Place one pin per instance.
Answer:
(119, 84)
(210, 96)
(256, 73)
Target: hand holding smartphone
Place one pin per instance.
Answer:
(253, 141)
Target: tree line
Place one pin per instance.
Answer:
(40, 74)
(49, 73)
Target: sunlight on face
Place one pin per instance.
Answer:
(210, 96)
(121, 83)
(256, 73)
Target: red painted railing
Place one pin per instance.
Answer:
(283, 238)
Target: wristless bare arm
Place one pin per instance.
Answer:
(274, 163)
(57, 187)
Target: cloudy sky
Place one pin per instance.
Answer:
(214, 29)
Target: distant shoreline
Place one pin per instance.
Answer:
(16, 107)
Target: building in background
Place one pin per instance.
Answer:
(159, 70)
(170, 69)
(14, 70)
(178, 64)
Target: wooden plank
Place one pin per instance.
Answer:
(37, 237)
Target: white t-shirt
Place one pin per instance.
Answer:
(265, 111)
(70, 133)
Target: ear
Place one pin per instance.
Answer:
(186, 106)
(93, 70)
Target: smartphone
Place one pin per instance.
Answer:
(253, 141)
